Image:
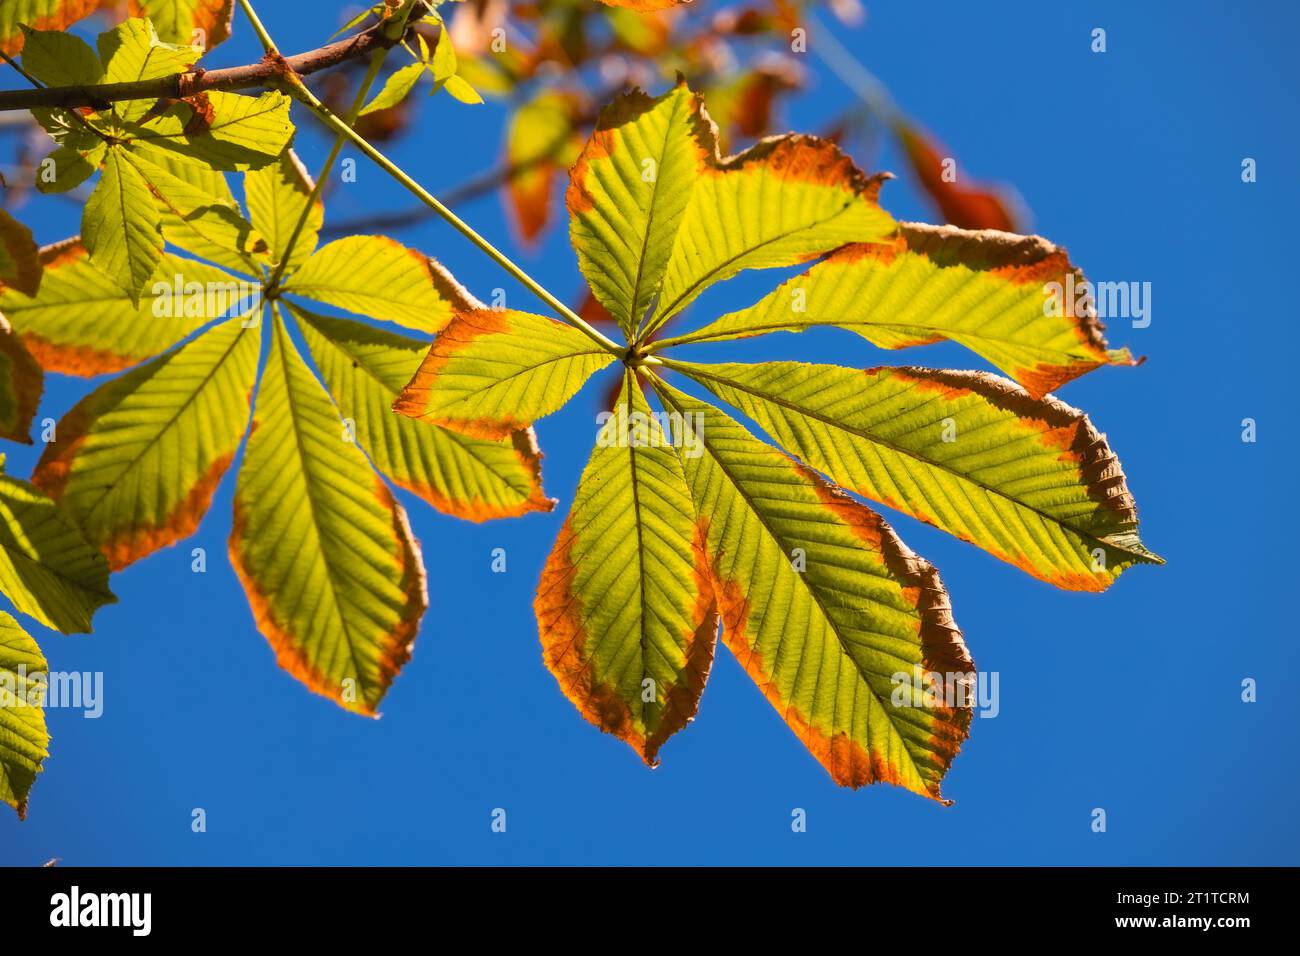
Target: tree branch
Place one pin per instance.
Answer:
(266, 72)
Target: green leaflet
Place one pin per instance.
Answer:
(275, 196)
(824, 606)
(625, 606)
(133, 51)
(493, 372)
(323, 550)
(68, 167)
(396, 88)
(375, 276)
(225, 131)
(122, 227)
(24, 741)
(136, 462)
(46, 567)
(82, 323)
(1029, 480)
(474, 478)
(199, 222)
(60, 59)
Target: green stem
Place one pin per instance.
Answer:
(299, 91)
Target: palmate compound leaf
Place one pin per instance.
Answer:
(323, 550)
(1029, 480)
(82, 323)
(657, 215)
(116, 461)
(137, 460)
(625, 606)
(846, 631)
(24, 741)
(992, 292)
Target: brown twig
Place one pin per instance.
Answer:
(265, 72)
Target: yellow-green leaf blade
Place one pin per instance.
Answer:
(824, 606)
(60, 59)
(322, 549)
(275, 196)
(782, 201)
(24, 741)
(133, 51)
(628, 191)
(376, 277)
(989, 291)
(1029, 480)
(121, 226)
(492, 372)
(46, 567)
(206, 225)
(625, 607)
(137, 460)
(82, 323)
(226, 131)
(365, 370)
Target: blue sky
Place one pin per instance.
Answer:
(1127, 701)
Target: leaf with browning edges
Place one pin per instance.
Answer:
(984, 290)
(204, 23)
(625, 605)
(24, 741)
(55, 15)
(136, 462)
(324, 552)
(493, 372)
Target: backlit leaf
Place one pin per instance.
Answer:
(1029, 480)
(323, 550)
(382, 279)
(989, 291)
(275, 196)
(136, 462)
(824, 639)
(121, 226)
(227, 131)
(365, 370)
(540, 142)
(493, 372)
(24, 741)
(71, 167)
(133, 51)
(198, 222)
(60, 59)
(396, 88)
(46, 567)
(625, 606)
(81, 323)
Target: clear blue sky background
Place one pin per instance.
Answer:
(1129, 701)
